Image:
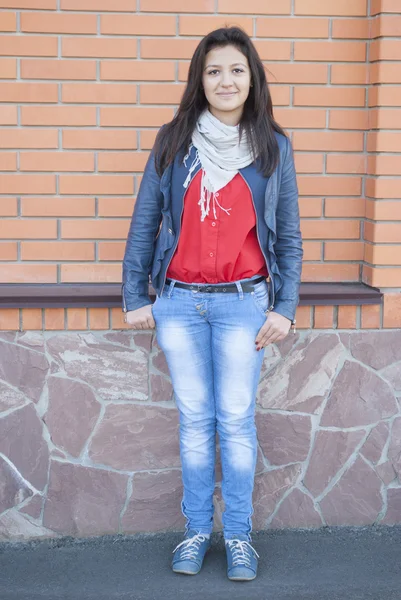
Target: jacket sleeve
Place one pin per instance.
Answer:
(141, 238)
(288, 247)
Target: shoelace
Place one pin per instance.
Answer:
(190, 546)
(240, 550)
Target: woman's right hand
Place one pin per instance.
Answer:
(141, 318)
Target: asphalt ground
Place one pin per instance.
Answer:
(330, 563)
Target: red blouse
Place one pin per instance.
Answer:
(220, 249)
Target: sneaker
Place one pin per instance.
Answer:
(189, 554)
(242, 558)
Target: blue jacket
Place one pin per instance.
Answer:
(156, 223)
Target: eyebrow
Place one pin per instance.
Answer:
(233, 65)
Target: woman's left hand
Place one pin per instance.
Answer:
(275, 328)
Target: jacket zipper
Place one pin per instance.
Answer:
(176, 244)
(124, 303)
(260, 245)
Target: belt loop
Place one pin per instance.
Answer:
(240, 290)
(170, 288)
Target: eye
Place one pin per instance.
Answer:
(238, 70)
(213, 72)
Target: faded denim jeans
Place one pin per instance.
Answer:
(209, 342)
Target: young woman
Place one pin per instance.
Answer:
(216, 227)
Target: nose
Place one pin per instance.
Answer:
(226, 79)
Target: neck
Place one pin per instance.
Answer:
(232, 117)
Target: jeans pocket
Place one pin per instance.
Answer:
(260, 296)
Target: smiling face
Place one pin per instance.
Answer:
(226, 81)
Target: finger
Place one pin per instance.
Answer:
(266, 327)
(274, 336)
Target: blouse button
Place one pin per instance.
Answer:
(213, 224)
(211, 254)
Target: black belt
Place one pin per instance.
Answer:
(247, 286)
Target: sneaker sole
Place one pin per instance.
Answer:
(186, 572)
(242, 578)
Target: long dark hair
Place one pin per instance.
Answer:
(257, 118)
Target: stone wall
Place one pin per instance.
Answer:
(89, 434)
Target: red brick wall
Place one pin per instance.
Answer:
(85, 84)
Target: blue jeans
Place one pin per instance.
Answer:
(208, 339)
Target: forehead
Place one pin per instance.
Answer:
(228, 55)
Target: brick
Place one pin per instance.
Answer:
(370, 317)
(310, 207)
(344, 207)
(384, 96)
(99, 93)
(57, 161)
(280, 94)
(309, 163)
(165, 48)
(330, 272)
(8, 115)
(201, 25)
(386, 26)
(134, 117)
(98, 47)
(385, 50)
(116, 317)
(382, 277)
(58, 69)
(54, 319)
(8, 21)
(76, 116)
(352, 74)
(330, 51)
(147, 138)
(341, 8)
(31, 319)
(273, 50)
(94, 229)
(330, 229)
(384, 6)
(9, 319)
(324, 317)
(348, 119)
(115, 207)
(99, 5)
(27, 184)
(383, 188)
(91, 273)
(8, 251)
(29, 4)
(163, 93)
(323, 96)
(98, 318)
(28, 92)
(345, 163)
(350, 28)
(8, 68)
(329, 186)
(28, 228)
(329, 141)
(119, 162)
(388, 233)
(392, 310)
(58, 207)
(57, 251)
(99, 139)
(143, 70)
(8, 162)
(295, 118)
(387, 254)
(384, 119)
(19, 273)
(383, 210)
(384, 72)
(297, 73)
(292, 28)
(257, 7)
(28, 45)
(29, 138)
(111, 250)
(177, 6)
(337, 251)
(58, 23)
(346, 318)
(8, 207)
(96, 184)
(303, 317)
(312, 250)
(76, 318)
(137, 25)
